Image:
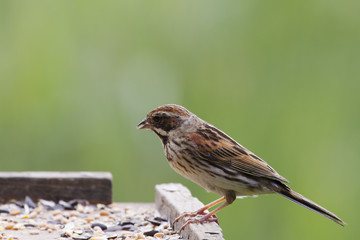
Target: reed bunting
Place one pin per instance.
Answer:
(207, 156)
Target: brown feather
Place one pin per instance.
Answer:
(227, 152)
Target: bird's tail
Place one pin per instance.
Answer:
(286, 192)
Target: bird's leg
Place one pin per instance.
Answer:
(207, 218)
(201, 211)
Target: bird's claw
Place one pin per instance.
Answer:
(206, 218)
(188, 214)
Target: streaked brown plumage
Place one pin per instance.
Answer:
(207, 156)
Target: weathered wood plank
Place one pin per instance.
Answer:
(172, 200)
(95, 187)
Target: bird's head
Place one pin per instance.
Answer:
(164, 119)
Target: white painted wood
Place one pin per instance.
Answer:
(174, 199)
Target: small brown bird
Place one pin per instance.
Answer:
(207, 156)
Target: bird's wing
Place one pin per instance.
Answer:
(217, 147)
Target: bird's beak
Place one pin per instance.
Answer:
(143, 125)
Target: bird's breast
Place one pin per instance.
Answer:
(208, 176)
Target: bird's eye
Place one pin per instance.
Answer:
(156, 119)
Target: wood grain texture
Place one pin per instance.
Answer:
(172, 200)
(95, 187)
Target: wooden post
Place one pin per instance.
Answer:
(172, 200)
(94, 187)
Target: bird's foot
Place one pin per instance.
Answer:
(201, 211)
(206, 218)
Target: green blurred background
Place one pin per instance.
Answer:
(281, 77)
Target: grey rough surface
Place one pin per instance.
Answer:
(27, 233)
(28, 236)
(174, 199)
(92, 186)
